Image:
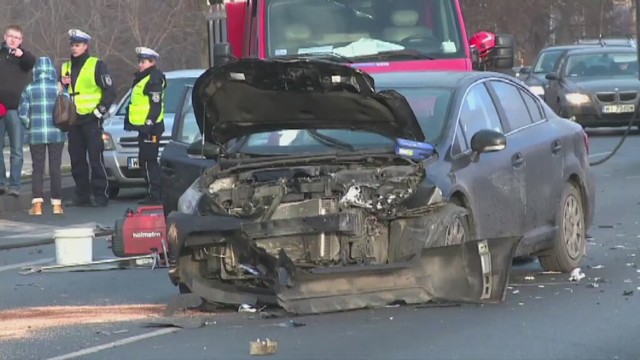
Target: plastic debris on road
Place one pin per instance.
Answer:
(576, 275)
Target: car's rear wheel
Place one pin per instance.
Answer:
(114, 190)
(570, 241)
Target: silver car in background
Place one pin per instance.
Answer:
(121, 147)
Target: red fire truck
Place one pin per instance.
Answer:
(373, 35)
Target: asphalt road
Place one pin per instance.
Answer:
(546, 317)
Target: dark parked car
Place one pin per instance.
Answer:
(550, 57)
(596, 87)
(335, 196)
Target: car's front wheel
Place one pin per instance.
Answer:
(570, 241)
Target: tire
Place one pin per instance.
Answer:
(113, 191)
(570, 243)
(459, 231)
(117, 242)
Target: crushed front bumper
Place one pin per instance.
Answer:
(475, 271)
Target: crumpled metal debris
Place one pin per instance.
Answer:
(576, 275)
(529, 277)
(595, 266)
(266, 347)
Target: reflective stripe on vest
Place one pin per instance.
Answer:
(140, 106)
(86, 93)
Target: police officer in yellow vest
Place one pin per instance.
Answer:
(87, 80)
(145, 114)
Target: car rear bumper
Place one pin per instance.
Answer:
(118, 171)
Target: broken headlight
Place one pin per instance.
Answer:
(188, 202)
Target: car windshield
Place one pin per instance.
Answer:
(602, 64)
(354, 28)
(431, 106)
(546, 61)
(172, 94)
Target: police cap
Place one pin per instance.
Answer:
(146, 53)
(78, 36)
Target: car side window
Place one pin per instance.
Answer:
(478, 112)
(459, 145)
(188, 130)
(533, 106)
(513, 105)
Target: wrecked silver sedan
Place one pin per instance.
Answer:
(319, 199)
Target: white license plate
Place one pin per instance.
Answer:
(618, 109)
(132, 163)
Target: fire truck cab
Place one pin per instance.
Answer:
(374, 35)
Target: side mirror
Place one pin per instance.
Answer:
(487, 140)
(222, 53)
(503, 54)
(475, 58)
(111, 111)
(525, 70)
(552, 76)
(207, 150)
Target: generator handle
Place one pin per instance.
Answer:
(150, 209)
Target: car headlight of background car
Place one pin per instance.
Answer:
(188, 202)
(537, 89)
(577, 98)
(107, 140)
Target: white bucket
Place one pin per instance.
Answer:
(73, 245)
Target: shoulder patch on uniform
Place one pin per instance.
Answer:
(155, 97)
(106, 80)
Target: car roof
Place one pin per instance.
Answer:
(447, 79)
(605, 49)
(188, 73)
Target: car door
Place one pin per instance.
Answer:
(495, 181)
(179, 169)
(521, 113)
(552, 88)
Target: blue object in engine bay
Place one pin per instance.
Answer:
(414, 150)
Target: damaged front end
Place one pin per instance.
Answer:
(320, 238)
(322, 230)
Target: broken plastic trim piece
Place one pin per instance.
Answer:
(473, 272)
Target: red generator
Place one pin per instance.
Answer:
(140, 232)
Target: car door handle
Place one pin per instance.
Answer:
(556, 146)
(517, 160)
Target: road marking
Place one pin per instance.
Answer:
(600, 154)
(111, 345)
(21, 265)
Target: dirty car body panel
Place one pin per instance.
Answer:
(315, 206)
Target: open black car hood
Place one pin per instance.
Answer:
(252, 95)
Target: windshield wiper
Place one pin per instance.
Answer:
(398, 55)
(330, 141)
(321, 54)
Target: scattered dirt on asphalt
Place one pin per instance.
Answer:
(20, 323)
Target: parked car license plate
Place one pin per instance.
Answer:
(617, 109)
(132, 163)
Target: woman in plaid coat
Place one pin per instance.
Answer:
(36, 114)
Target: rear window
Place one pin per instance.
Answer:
(172, 95)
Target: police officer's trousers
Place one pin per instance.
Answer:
(85, 138)
(148, 156)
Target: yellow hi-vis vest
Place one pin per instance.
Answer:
(139, 106)
(86, 93)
